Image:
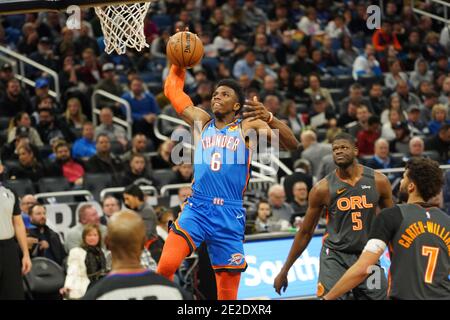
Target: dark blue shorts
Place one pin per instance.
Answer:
(220, 223)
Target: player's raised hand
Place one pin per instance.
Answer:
(253, 110)
(280, 282)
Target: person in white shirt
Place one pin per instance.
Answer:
(309, 24)
(366, 64)
(224, 41)
(387, 131)
(336, 28)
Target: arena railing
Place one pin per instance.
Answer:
(278, 234)
(12, 62)
(281, 165)
(21, 75)
(170, 187)
(161, 136)
(261, 184)
(96, 111)
(400, 170)
(444, 19)
(48, 195)
(150, 190)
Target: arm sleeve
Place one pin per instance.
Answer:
(173, 89)
(386, 224)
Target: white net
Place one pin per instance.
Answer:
(123, 26)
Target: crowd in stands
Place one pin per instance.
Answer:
(314, 64)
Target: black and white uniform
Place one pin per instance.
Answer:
(11, 286)
(135, 286)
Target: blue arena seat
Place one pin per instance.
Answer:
(162, 21)
(151, 76)
(4, 123)
(344, 81)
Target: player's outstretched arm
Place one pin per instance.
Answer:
(317, 200)
(182, 103)
(384, 189)
(256, 112)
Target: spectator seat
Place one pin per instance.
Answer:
(96, 182)
(20, 186)
(163, 177)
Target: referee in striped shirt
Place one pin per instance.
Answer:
(11, 225)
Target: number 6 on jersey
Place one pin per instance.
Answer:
(216, 163)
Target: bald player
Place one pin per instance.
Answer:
(128, 280)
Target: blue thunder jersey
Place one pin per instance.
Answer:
(221, 162)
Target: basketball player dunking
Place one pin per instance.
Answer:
(418, 236)
(350, 196)
(215, 212)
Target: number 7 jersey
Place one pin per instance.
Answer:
(221, 162)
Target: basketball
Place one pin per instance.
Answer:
(184, 49)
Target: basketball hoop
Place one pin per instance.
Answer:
(123, 26)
